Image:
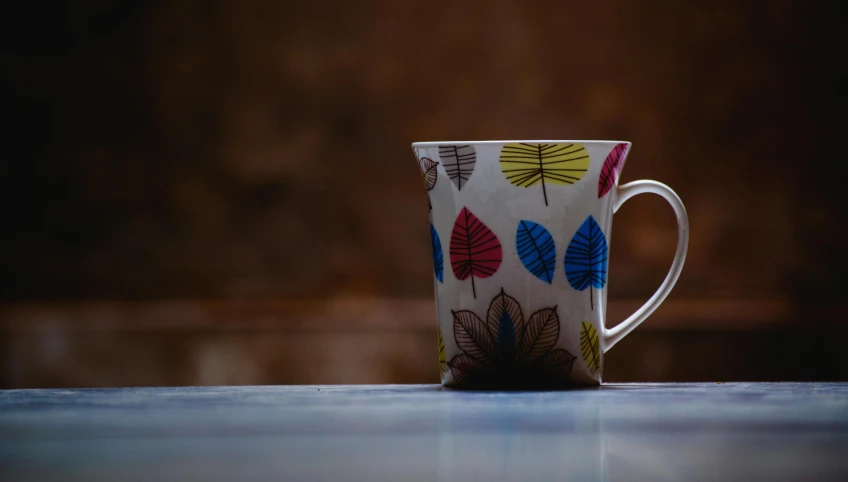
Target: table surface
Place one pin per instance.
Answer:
(731, 431)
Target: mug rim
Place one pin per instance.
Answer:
(547, 141)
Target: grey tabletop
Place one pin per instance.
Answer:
(733, 431)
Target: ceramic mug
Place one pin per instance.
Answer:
(521, 233)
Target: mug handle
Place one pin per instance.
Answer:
(625, 192)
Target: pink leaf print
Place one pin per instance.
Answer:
(611, 168)
(474, 249)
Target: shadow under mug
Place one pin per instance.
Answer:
(520, 232)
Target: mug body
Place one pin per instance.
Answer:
(520, 233)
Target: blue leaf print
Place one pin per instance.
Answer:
(536, 249)
(506, 336)
(586, 258)
(438, 258)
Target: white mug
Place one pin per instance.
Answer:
(521, 234)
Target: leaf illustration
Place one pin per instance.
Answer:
(462, 367)
(590, 347)
(459, 162)
(474, 249)
(540, 334)
(505, 322)
(472, 336)
(443, 366)
(557, 363)
(612, 166)
(429, 173)
(586, 258)
(536, 249)
(505, 351)
(438, 258)
(526, 165)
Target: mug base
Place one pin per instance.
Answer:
(519, 385)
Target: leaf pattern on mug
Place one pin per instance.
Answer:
(459, 162)
(505, 322)
(429, 173)
(438, 258)
(536, 249)
(443, 365)
(540, 334)
(526, 165)
(504, 351)
(586, 258)
(611, 168)
(472, 336)
(590, 348)
(475, 251)
(554, 363)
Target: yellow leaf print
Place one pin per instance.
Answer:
(526, 165)
(590, 347)
(443, 366)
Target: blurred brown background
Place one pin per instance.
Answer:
(211, 192)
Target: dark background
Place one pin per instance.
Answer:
(202, 192)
